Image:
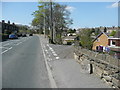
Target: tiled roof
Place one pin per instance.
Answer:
(100, 35)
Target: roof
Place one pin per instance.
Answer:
(100, 35)
(69, 37)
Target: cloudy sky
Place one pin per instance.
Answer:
(84, 14)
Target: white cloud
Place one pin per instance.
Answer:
(70, 8)
(114, 5)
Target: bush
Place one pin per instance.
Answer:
(112, 33)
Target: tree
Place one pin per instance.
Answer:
(71, 30)
(97, 31)
(105, 29)
(85, 38)
(112, 33)
(60, 18)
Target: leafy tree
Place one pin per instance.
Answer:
(71, 30)
(112, 33)
(60, 18)
(105, 29)
(97, 31)
(85, 38)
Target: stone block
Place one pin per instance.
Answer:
(110, 84)
(102, 66)
(107, 72)
(75, 56)
(116, 82)
(107, 78)
(98, 71)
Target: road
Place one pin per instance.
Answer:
(23, 64)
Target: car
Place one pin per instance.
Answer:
(19, 35)
(30, 34)
(24, 35)
(13, 36)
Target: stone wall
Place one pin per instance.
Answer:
(103, 65)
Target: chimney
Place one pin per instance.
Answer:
(13, 23)
(8, 22)
(3, 21)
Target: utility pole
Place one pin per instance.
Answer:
(44, 24)
(51, 21)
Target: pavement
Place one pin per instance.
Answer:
(66, 72)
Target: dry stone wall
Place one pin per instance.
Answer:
(103, 65)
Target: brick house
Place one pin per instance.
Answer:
(8, 28)
(100, 40)
(114, 44)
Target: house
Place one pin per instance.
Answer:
(114, 44)
(100, 40)
(8, 28)
(68, 40)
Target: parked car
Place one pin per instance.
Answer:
(19, 35)
(24, 35)
(30, 34)
(13, 36)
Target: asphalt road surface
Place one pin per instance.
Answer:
(23, 64)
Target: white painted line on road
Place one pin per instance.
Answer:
(52, 81)
(57, 58)
(4, 47)
(46, 51)
(55, 54)
(18, 43)
(52, 50)
(9, 48)
(6, 50)
(6, 44)
(48, 45)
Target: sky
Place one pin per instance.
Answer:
(84, 14)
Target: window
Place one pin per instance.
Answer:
(113, 43)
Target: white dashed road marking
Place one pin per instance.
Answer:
(6, 50)
(53, 52)
(12, 43)
(57, 57)
(6, 44)
(4, 47)
(18, 43)
(52, 81)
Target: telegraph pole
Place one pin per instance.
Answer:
(51, 21)
(44, 24)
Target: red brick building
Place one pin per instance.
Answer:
(114, 43)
